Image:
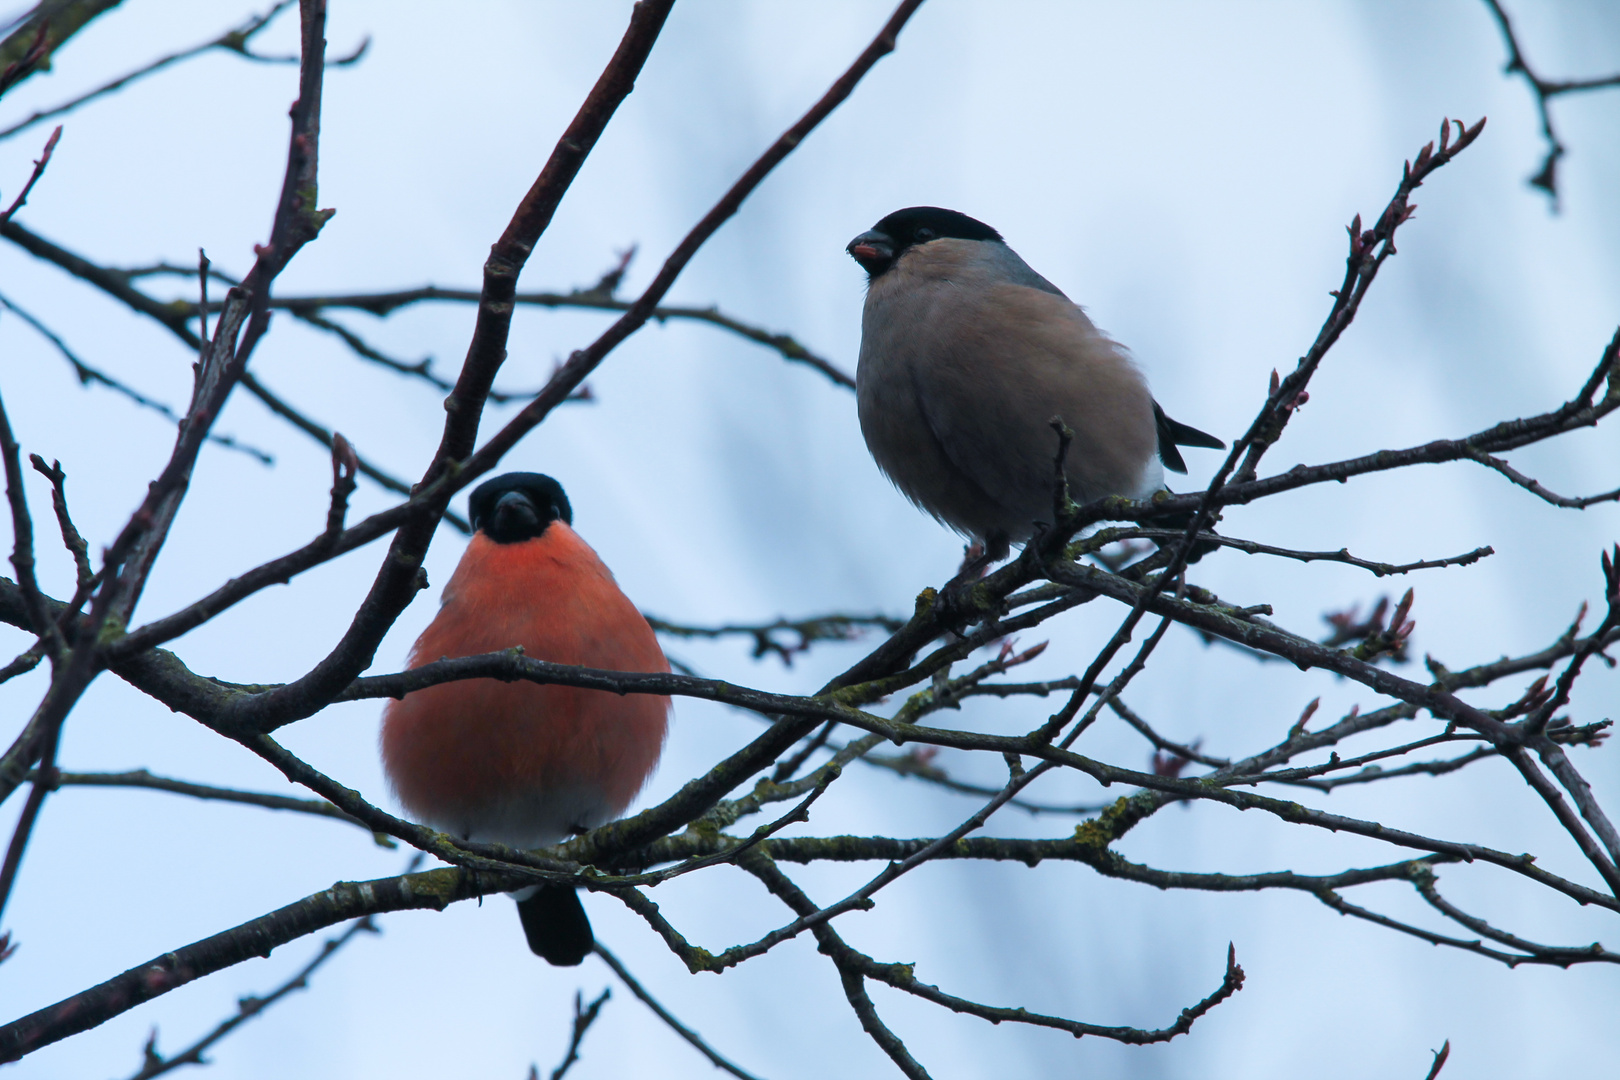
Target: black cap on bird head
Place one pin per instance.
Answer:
(879, 247)
(518, 506)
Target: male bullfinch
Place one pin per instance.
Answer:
(518, 763)
(967, 354)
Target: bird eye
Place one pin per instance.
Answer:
(924, 234)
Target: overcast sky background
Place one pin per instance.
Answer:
(1184, 170)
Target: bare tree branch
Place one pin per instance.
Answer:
(1379, 569)
(835, 627)
(43, 733)
(397, 583)
(344, 901)
(905, 692)
(1440, 1057)
(584, 1017)
(128, 560)
(115, 285)
(399, 579)
(33, 178)
(1546, 178)
(1424, 881)
(31, 41)
(140, 778)
(246, 1009)
(235, 41)
(664, 1014)
(385, 303)
(88, 374)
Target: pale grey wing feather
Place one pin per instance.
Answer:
(1006, 360)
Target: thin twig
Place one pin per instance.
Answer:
(421, 369)
(29, 48)
(235, 41)
(853, 966)
(246, 1008)
(584, 1017)
(664, 1014)
(1378, 569)
(22, 663)
(1535, 488)
(456, 464)
(383, 304)
(1335, 763)
(44, 782)
(1345, 907)
(140, 778)
(22, 529)
(1546, 178)
(88, 374)
(43, 733)
(835, 627)
(129, 559)
(1440, 1057)
(39, 170)
(326, 438)
(113, 284)
(1424, 881)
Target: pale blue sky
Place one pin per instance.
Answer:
(1184, 170)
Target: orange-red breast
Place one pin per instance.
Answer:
(519, 763)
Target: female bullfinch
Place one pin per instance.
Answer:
(518, 763)
(967, 354)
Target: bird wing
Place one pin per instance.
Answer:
(1004, 360)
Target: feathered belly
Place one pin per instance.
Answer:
(519, 763)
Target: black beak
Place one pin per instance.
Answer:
(873, 250)
(515, 514)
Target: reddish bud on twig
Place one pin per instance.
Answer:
(1399, 624)
(1534, 696)
(1375, 636)
(1304, 717)
(345, 462)
(609, 283)
(1027, 655)
(1299, 399)
(1439, 1060)
(1171, 764)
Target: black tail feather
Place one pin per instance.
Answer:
(554, 922)
(1173, 433)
